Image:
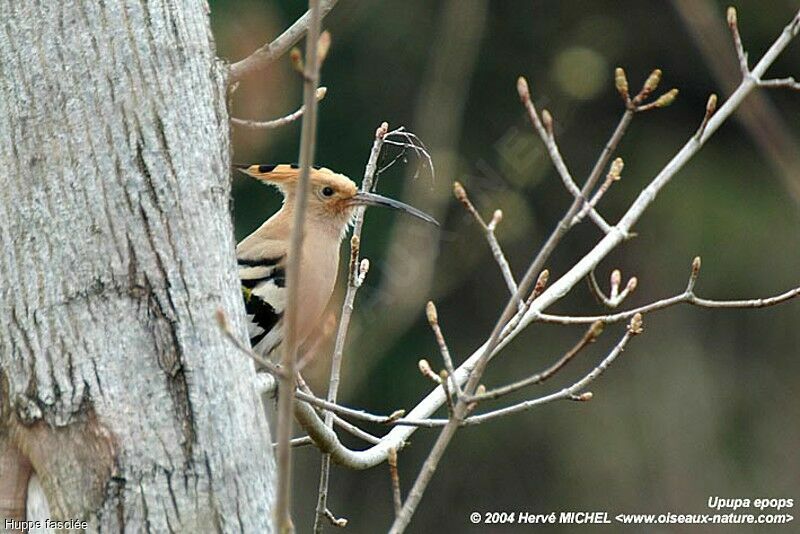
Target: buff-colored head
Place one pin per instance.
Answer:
(332, 196)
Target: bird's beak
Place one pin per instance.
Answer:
(371, 199)
(243, 168)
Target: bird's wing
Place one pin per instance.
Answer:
(263, 276)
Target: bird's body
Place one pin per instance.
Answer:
(262, 255)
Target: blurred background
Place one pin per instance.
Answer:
(705, 402)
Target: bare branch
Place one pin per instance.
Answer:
(592, 333)
(711, 107)
(357, 273)
(488, 230)
(298, 442)
(339, 522)
(338, 421)
(426, 370)
(615, 296)
(687, 297)
(570, 393)
(277, 123)
(354, 430)
(433, 320)
(595, 288)
(264, 56)
(290, 344)
(396, 418)
(781, 83)
(546, 133)
(614, 175)
(733, 24)
(397, 497)
(410, 141)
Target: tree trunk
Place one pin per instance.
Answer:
(116, 384)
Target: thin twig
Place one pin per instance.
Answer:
(541, 283)
(354, 430)
(605, 155)
(711, 107)
(355, 279)
(337, 420)
(264, 56)
(339, 522)
(614, 175)
(413, 142)
(283, 521)
(298, 442)
(546, 133)
(688, 296)
(781, 83)
(488, 230)
(442, 379)
(733, 24)
(433, 320)
(397, 497)
(573, 391)
(394, 419)
(591, 334)
(595, 288)
(616, 296)
(683, 298)
(277, 123)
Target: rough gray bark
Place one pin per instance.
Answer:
(116, 250)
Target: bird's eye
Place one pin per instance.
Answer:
(327, 191)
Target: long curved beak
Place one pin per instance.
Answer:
(372, 199)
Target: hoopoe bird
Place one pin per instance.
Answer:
(261, 256)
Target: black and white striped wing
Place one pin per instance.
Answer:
(264, 291)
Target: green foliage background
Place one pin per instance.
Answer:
(705, 403)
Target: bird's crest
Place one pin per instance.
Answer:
(284, 174)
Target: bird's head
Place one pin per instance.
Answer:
(332, 197)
